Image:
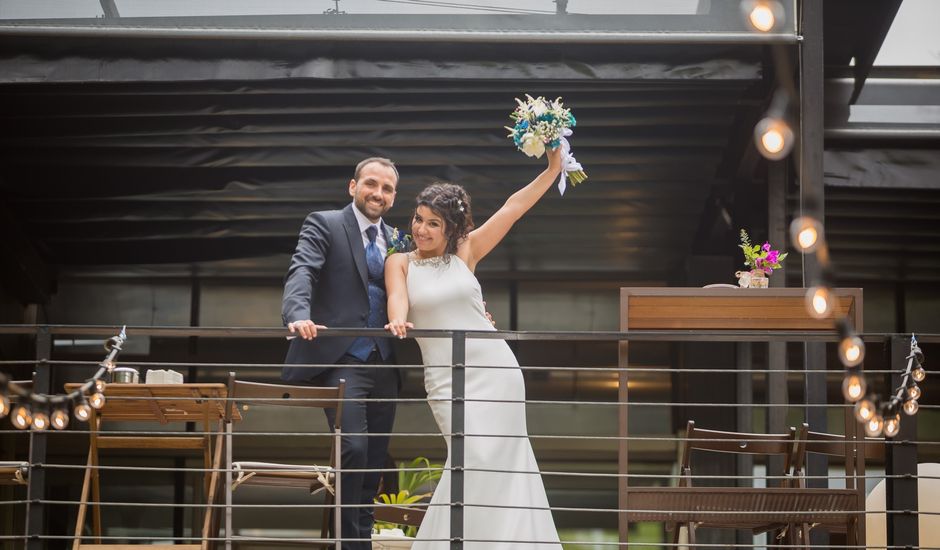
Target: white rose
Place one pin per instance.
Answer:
(532, 146)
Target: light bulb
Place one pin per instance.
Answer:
(910, 407)
(820, 302)
(60, 419)
(762, 15)
(806, 232)
(99, 385)
(892, 425)
(773, 137)
(851, 351)
(22, 417)
(82, 411)
(918, 374)
(40, 421)
(853, 387)
(4, 406)
(762, 18)
(874, 426)
(914, 392)
(96, 400)
(864, 410)
(772, 140)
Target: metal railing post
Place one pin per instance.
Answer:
(38, 442)
(457, 441)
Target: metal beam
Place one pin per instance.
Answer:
(404, 35)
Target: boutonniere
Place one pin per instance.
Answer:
(399, 242)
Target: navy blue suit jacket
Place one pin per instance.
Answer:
(327, 283)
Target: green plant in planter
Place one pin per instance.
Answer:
(412, 478)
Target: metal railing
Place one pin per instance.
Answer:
(898, 466)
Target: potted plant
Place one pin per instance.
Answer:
(761, 261)
(416, 481)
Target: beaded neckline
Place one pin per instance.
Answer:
(436, 261)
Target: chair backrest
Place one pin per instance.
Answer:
(698, 439)
(402, 515)
(836, 445)
(259, 393)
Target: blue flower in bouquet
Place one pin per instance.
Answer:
(399, 242)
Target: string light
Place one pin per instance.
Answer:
(40, 421)
(774, 138)
(52, 410)
(806, 233)
(820, 302)
(892, 425)
(60, 419)
(874, 426)
(851, 347)
(853, 387)
(96, 400)
(864, 410)
(22, 416)
(82, 410)
(851, 351)
(918, 374)
(763, 15)
(905, 397)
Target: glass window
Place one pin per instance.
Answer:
(913, 39)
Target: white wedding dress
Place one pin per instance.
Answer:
(444, 294)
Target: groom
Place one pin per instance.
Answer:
(336, 278)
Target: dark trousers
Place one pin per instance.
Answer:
(362, 452)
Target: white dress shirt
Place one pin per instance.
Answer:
(364, 224)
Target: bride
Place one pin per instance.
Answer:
(434, 287)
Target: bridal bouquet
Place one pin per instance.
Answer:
(540, 123)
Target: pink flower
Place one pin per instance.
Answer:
(772, 257)
(766, 247)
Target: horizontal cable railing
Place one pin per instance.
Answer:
(458, 401)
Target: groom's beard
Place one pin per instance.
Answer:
(371, 209)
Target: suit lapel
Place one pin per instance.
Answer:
(387, 231)
(354, 237)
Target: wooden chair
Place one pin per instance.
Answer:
(698, 439)
(402, 515)
(853, 457)
(310, 477)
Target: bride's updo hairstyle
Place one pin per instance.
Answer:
(451, 203)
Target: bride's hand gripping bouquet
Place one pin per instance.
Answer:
(541, 124)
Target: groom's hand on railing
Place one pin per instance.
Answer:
(306, 329)
(398, 327)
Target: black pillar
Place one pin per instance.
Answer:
(901, 460)
(38, 441)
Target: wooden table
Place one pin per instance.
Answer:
(733, 310)
(160, 403)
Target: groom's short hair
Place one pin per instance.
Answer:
(377, 160)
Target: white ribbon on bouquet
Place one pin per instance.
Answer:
(568, 162)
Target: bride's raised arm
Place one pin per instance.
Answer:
(485, 238)
(396, 286)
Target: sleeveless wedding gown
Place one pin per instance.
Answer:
(444, 294)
